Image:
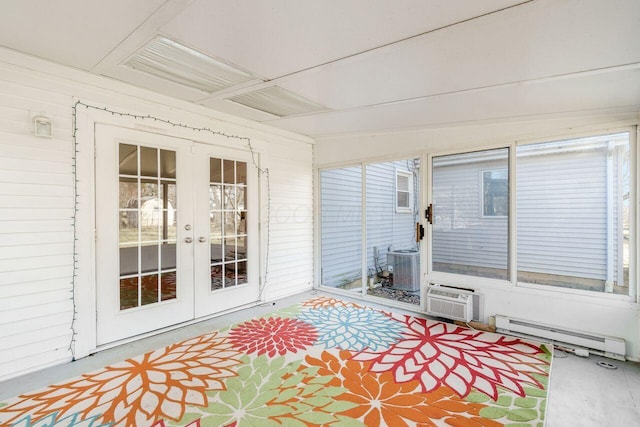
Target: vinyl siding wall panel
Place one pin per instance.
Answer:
(460, 234)
(562, 214)
(341, 219)
(562, 202)
(388, 230)
(36, 231)
(341, 225)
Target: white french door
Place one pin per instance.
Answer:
(226, 232)
(176, 231)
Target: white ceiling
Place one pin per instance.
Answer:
(375, 65)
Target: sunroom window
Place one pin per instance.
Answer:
(573, 213)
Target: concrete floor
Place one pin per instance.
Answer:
(582, 394)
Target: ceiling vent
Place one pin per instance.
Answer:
(173, 61)
(277, 101)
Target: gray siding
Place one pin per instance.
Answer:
(386, 228)
(563, 202)
(341, 219)
(562, 214)
(341, 225)
(460, 234)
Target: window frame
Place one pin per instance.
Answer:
(404, 209)
(513, 283)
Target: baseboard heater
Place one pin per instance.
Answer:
(612, 347)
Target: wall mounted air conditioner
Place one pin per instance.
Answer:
(406, 269)
(450, 303)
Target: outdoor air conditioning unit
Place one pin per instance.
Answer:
(406, 269)
(450, 303)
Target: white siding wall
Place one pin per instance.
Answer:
(36, 228)
(37, 204)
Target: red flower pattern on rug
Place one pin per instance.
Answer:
(440, 354)
(271, 336)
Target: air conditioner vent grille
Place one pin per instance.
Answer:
(450, 303)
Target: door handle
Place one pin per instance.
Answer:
(188, 239)
(202, 239)
(419, 232)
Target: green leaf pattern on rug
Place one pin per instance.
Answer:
(269, 392)
(287, 312)
(515, 412)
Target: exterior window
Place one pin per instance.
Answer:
(573, 213)
(495, 193)
(470, 214)
(404, 185)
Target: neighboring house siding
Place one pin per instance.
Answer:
(341, 219)
(571, 239)
(460, 234)
(562, 210)
(386, 228)
(341, 225)
(37, 205)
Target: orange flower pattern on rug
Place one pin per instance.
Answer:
(138, 391)
(379, 400)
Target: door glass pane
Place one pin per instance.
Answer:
(168, 286)
(227, 210)
(573, 213)
(128, 293)
(149, 260)
(341, 228)
(471, 213)
(229, 171)
(393, 257)
(215, 170)
(148, 161)
(241, 173)
(128, 193)
(128, 155)
(149, 289)
(167, 164)
(147, 229)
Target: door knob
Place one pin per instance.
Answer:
(188, 239)
(202, 239)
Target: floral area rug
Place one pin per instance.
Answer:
(324, 362)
